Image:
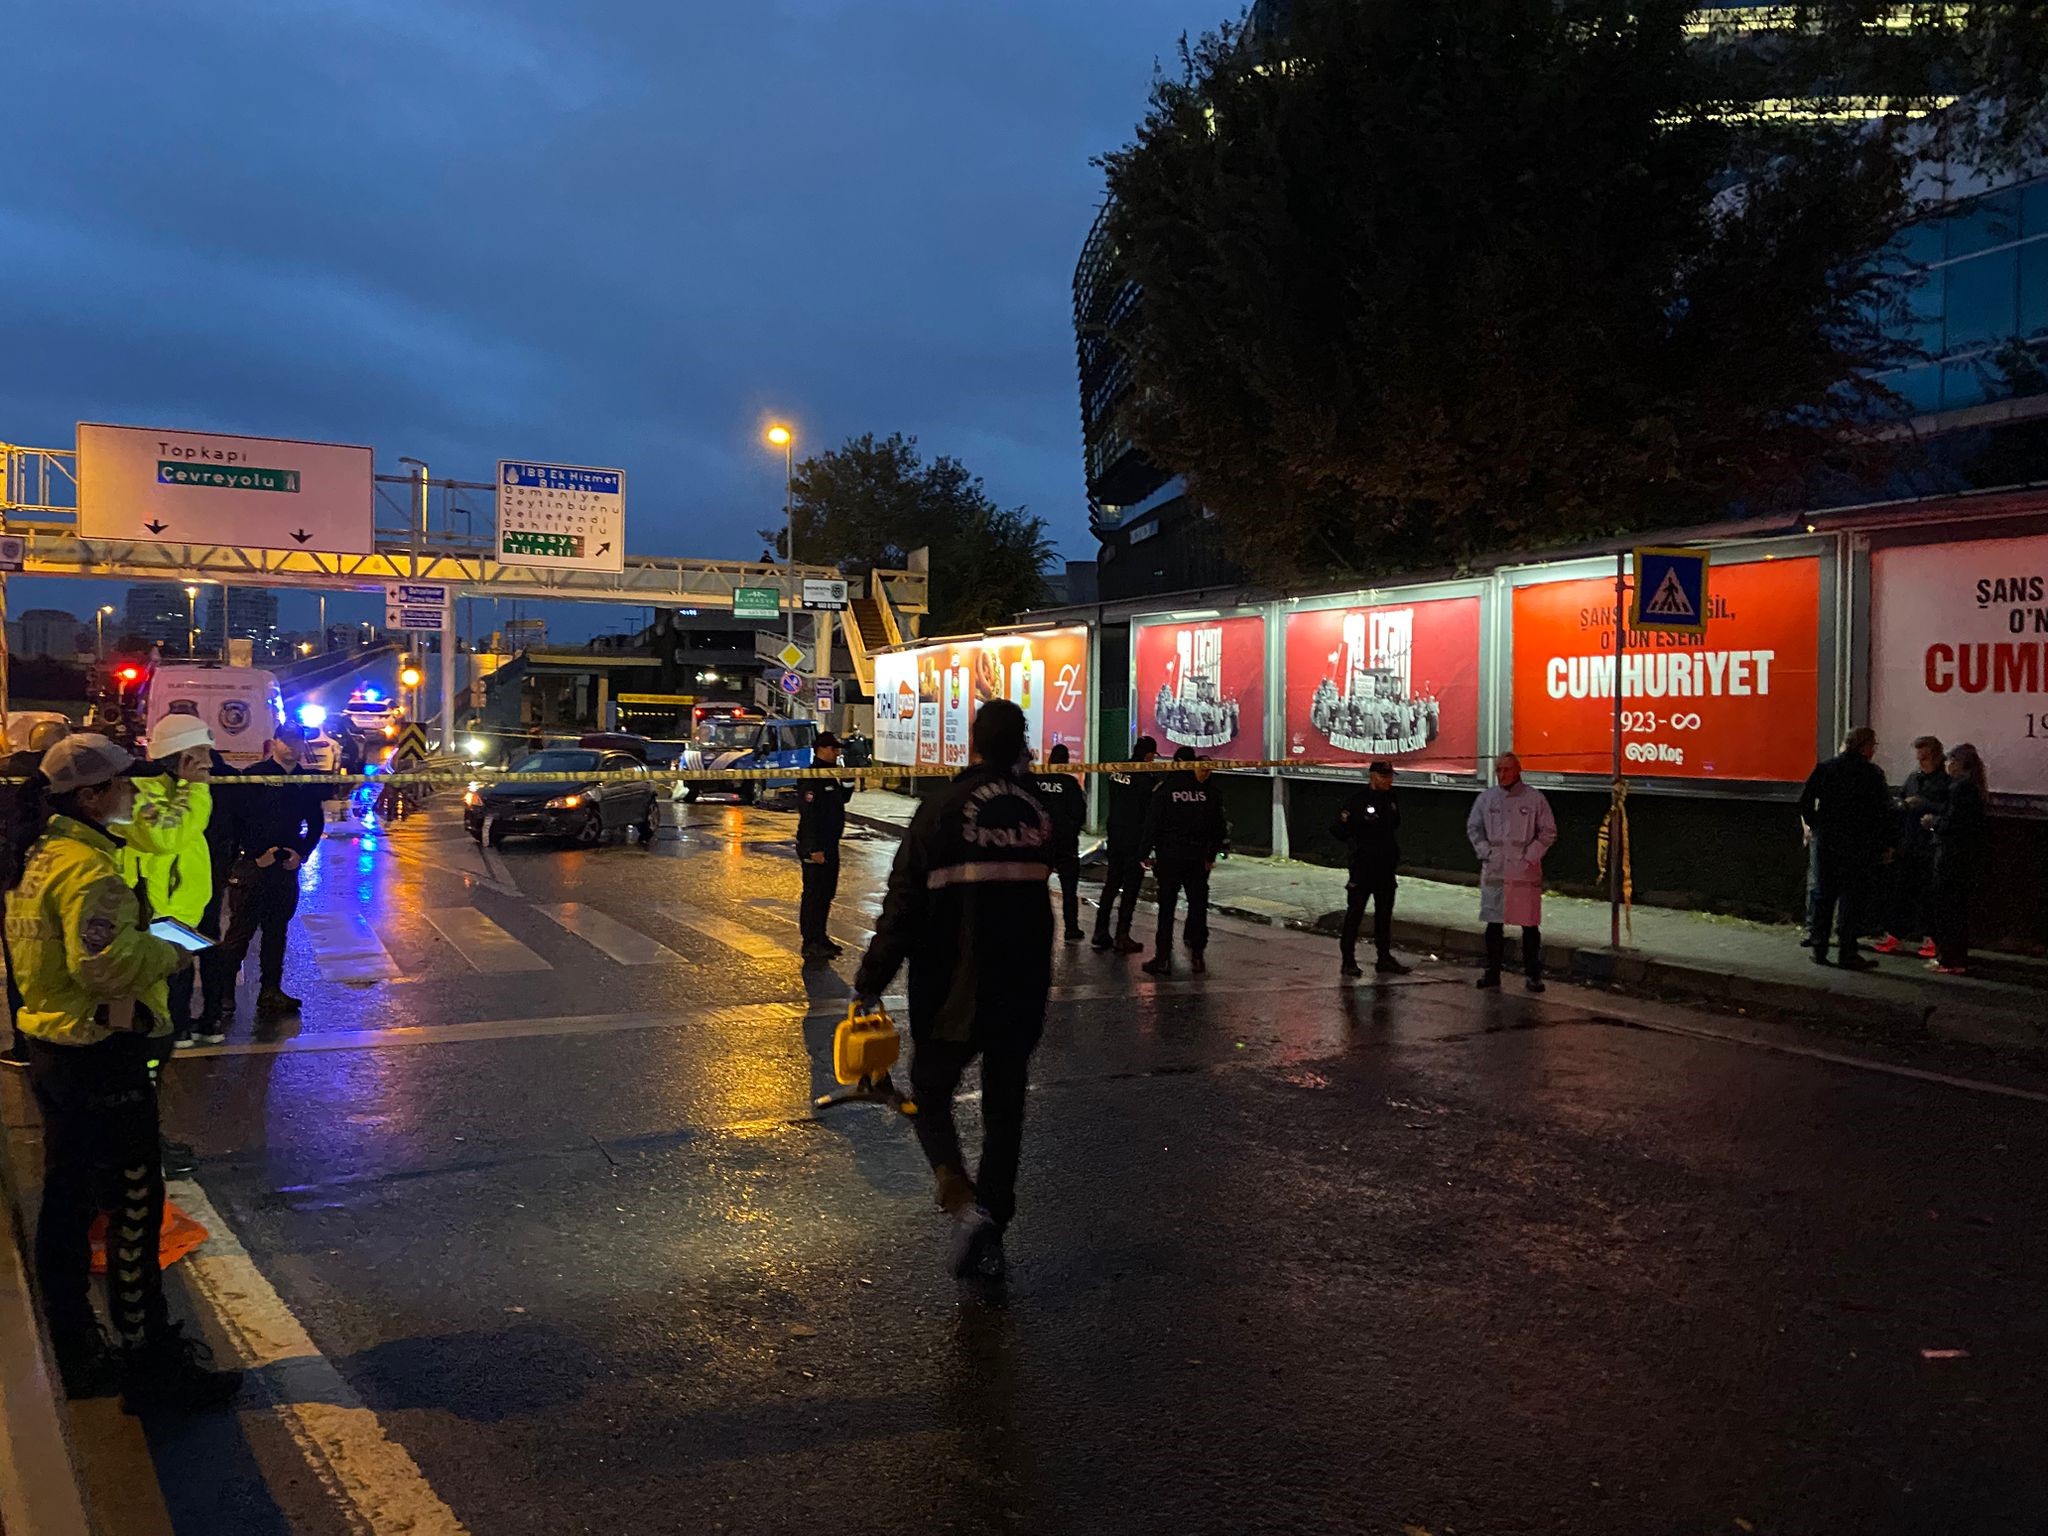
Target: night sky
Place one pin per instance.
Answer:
(621, 234)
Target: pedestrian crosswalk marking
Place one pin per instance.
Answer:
(346, 947)
(487, 947)
(627, 946)
(723, 930)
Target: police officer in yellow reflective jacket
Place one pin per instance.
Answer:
(92, 983)
(168, 857)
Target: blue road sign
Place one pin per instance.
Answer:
(1671, 591)
(791, 683)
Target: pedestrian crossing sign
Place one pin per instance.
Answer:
(1671, 591)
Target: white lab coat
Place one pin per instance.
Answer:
(1511, 830)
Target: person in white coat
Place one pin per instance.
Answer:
(1511, 828)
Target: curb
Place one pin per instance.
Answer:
(40, 1484)
(1961, 1021)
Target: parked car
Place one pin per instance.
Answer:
(577, 806)
(744, 744)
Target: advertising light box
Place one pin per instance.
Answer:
(926, 696)
(1959, 651)
(1201, 683)
(1740, 703)
(1398, 681)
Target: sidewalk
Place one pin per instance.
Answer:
(1721, 960)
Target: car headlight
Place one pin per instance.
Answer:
(475, 746)
(565, 802)
(471, 797)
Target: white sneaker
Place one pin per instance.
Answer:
(976, 1238)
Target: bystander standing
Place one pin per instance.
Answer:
(1961, 831)
(1847, 805)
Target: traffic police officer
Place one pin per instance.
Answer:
(820, 821)
(1369, 825)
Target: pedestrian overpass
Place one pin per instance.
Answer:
(419, 541)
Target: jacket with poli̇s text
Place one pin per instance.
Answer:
(1186, 824)
(168, 854)
(1369, 827)
(1130, 802)
(820, 817)
(1849, 806)
(966, 908)
(76, 934)
(1511, 830)
(268, 816)
(1066, 801)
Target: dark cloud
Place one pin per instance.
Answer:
(618, 234)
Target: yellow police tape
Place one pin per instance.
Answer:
(467, 775)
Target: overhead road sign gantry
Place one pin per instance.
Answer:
(165, 486)
(38, 494)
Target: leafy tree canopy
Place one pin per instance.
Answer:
(871, 501)
(1424, 280)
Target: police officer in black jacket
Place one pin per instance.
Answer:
(1369, 826)
(820, 822)
(1848, 806)
(1130, 802)
(1184, 833)
(276, 829)
(1067, 802)
(967, 908)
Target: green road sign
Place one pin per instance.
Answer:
(756, 602)
(565, 546)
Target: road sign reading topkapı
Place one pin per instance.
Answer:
(567, 517)
(159, 486)
(1671, 591)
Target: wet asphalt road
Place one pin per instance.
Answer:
(1292, 1256)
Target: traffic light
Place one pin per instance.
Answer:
(409, 674)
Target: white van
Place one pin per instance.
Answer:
(242, 705)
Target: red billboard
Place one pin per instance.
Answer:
(1740, 703)
(1201, 683)
(1398, 681)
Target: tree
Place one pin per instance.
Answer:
(1421, 281)
(868, 503)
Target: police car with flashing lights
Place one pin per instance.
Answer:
(370, 712)
(744, 741)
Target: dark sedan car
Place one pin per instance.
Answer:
(576, 806)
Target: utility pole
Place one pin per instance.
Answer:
(418, 520)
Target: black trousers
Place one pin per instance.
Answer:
(1948, 914)
(1176, 876)
(1840, 894)
(100, 1153)
(1121, 882)
(266, 899)
(821, 884)
(1497, 949)
(1910, 909)
(216, 975)
(936, 1067)
(1067, 865)
(1376, 886)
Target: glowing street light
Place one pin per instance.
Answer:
(99, 630)
(191, 621)
(783, 437)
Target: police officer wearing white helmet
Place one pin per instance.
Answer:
(94, 1013)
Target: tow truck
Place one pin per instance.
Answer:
(743, 739)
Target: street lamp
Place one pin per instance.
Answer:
(191, 621)
(99, 630)
(780, 436)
